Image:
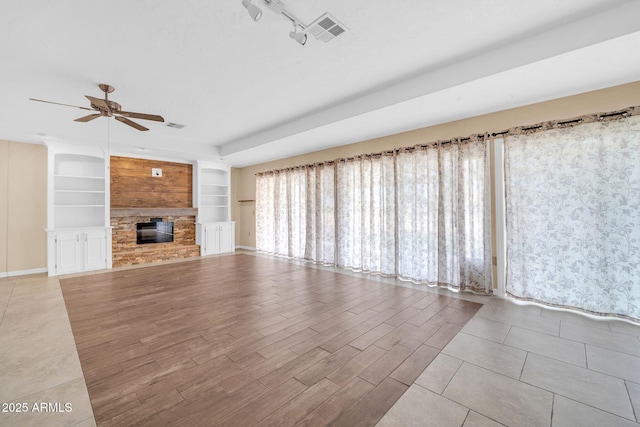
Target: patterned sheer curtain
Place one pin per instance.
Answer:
(266, 212)
(444, 214)
(366, 214)
(421, 214)
(321, 236)
(573, 217)
(295, 213)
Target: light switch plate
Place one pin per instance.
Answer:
(156, 172)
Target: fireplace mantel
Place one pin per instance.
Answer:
(152, 212)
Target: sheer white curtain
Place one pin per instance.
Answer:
(421, 214)
(366, 214)
(444, 215)
(266, 212)
(321, 234)
(573, 217)
(281, 216)
(295, 213)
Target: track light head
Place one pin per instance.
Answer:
(301, 38)
(254, 11)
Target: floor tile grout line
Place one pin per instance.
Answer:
(452, 376)
(626, 386)
(553, 406)
(535, 352)
(503, 375)
(573, 399)
(85, 421)
(466, 416)
(451, 400)
(596, 408)
(526, 357)
(586, 355)
(599, 346)
(507, 334)
(7, 305)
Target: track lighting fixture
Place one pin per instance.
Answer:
(278, 8)
(301, 38)
(254, 11)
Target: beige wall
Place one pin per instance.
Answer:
(23, 206)
(610, 99)
(4, 198)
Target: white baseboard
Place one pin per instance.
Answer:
(23, 272)
(247, 248)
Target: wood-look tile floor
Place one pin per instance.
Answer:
(243, 340)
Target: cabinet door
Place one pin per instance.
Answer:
(212, 238)
(225, 238)
(68, 253)
(95, 250)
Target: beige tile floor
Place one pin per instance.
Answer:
(524, 365)
(511, 365)
(38, 359)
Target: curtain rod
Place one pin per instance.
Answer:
(391, 152)
(553, 124)
(588, 118)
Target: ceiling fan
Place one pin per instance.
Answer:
(107, 108)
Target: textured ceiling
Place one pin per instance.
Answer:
(247, 93)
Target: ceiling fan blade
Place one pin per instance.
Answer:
(100, 103)
(88, 118)
(58, 103)
(142, 116)
(130, 123)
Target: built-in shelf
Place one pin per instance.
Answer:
(80, 191)
(211, 192)
(79, 188)
(78, 206)
(77, 176)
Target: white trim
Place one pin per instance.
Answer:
(247, 248)
(501, 225)
(23, 272)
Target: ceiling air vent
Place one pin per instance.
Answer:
(326, 28)
(174, 125)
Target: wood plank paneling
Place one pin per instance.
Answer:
(241, 340)
(132, 185)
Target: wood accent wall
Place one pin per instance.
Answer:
(132, 185)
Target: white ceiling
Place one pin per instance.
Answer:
(247, 93)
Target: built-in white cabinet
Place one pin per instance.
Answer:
(78, 217)
(215, 233)
(78, 250)
(216, 237)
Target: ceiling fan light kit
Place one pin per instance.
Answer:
(108, 108)
(325, 28)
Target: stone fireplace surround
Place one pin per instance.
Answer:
(127, 252)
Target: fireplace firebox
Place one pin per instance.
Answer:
(154, 232)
